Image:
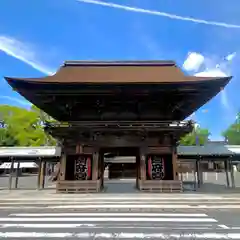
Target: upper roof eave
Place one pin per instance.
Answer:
(119, 72)
(43, 79)
(186, 79)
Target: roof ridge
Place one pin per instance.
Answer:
(119, 63)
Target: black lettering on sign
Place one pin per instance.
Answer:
(80, 172)
(158, 168)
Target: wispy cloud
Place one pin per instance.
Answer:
(210, 68)
(23, 52)
(224, 99)
(145, 39)
(217, 73)
(193, 61)
(158, 13)
(230, 57)
(14, 99)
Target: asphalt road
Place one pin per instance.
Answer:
(121, 215)
(106, 216)
(114, 224)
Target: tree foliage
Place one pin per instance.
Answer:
(199, 136)
(23, 127)
(232, 133)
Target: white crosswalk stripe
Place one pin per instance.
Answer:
(91, 224)
(120, 217)
(125, 202)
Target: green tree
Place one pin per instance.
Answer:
(22, 127)
(6, 138)
(199, 136)
(44, 118)
(232, 133)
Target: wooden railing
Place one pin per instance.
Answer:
(78, 186)
(165, 186)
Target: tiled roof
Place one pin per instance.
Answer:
(209, 149)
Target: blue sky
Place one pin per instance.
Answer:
(202, 36)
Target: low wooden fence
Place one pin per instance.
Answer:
(87, 186)
(164, 186)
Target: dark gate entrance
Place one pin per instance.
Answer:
(122, 170)
(120, 163)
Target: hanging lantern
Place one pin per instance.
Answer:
(89, 166)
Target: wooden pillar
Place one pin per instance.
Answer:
(200, 172)
(79, 148)
(52, 167)
(62, 170)
(137, 171)
(226, 171)
(174, 164)
(95, 166)
(102, 170)
(232, 174)
(11, 174)
(195, 175)
(17, 175)
(197, 171)
(142, 165)
(39, 174)
(42, 174)
(181, 176)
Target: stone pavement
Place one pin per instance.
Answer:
(43, 214)
(212, 182)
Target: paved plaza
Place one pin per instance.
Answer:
(26, 181)
(212, 182)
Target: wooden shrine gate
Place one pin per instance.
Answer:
(84, 172)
